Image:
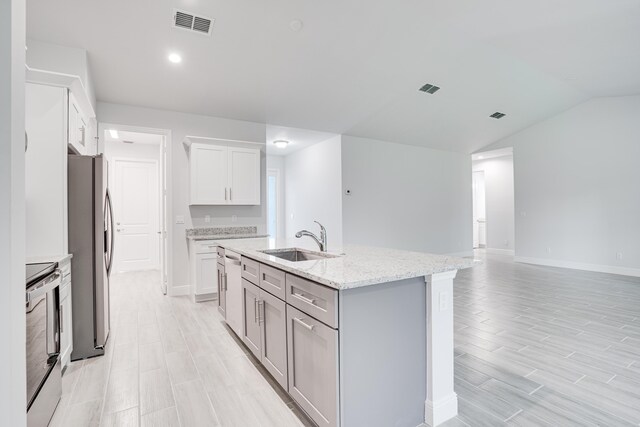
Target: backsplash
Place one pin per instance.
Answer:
(205, 231)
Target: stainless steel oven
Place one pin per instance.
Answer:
(44, 377)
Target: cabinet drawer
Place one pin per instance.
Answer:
(205, 247)
(250, 270)
(272, 280)
(65, 269)
(315, 300)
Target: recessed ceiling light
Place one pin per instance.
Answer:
(296, 25)
(175, 58)
(113, 133)
(281, 143)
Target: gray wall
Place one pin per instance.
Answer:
(577, 186)
(181, 125)
(498, 175)
(12, 210)
(406, 197)
(313, 187)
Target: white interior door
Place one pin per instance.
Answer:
(136, 205)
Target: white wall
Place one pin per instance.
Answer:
(406, 197)
(277, 162)
(313, 190)
(12, 207)
(499, 204)
(61, 59)
(577, 187)
(181, 125)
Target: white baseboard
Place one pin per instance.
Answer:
(463, 254)
(176, 291)
(496, 251)
(436, 413)
(598, 268)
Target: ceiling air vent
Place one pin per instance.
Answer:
(428, 88)
(497, 115)
(191, 22)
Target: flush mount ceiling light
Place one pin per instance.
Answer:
(175, 58)
(497, 115)
(281, 143)
(296, 25)
(429, 88)
(113, 133)
(481, 157)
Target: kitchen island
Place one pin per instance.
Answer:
(359, 336)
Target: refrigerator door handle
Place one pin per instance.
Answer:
(110, 228)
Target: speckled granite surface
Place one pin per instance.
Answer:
(356, 266)
(221, 231)
(225, 236)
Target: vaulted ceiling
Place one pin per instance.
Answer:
(355, 66)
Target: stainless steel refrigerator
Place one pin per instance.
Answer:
(91, 243)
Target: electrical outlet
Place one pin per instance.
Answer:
(207, 218)
(179, 219)
(234, 218)
(523, 213)
(549, 249)
(619, 256)
(443, 301)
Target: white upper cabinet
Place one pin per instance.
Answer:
(223, 175)
(244, 176)
(208, 169)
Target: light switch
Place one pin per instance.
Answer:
(179, 219)
(207, 218)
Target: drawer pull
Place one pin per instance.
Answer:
(306, 325)
(305, 299)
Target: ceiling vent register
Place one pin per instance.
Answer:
(191, 22)
(428, 88)
(497, 115)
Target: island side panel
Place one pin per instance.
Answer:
(382, 339)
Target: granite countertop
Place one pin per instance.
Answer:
(49, 258)
(356, 266)
(225, 236)
(231, 232)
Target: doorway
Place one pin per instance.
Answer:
(494, 201)
(137, 178)
(479, 211)
(273, 201)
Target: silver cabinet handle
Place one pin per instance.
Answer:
(261, 311)
(225, 193)
(305, 299)
(62, 319)
(230, 198)
(306, 325)
(255, 309)
(225, 281)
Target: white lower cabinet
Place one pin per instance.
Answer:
(203, 271)
(66, 317)
(313, 366)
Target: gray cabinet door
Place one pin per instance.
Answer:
(222, 294)
(250, 321)
(273, 321)
(313, 366)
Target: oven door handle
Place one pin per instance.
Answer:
(45, 287)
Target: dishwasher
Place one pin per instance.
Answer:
(233, 291)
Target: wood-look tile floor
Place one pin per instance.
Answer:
(170, 362)
(535, 346)
(540, 346)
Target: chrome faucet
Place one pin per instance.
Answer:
(322, 241)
